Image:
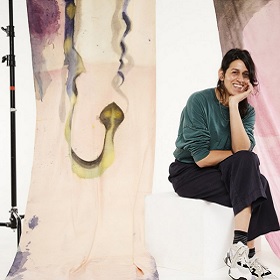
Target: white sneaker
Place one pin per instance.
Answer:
(238, 262)
(259, 270)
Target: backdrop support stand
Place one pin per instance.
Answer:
(15, 218)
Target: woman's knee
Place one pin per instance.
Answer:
(242, 160)
(246, 156)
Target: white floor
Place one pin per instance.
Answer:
(8, 246)
(266, 255)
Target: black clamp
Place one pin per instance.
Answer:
(10, 31)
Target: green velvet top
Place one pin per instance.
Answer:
(204, 126)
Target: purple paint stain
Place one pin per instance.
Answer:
(33, 222)
(43, 17)
(18, 264)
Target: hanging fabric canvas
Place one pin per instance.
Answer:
(253, 25)
(94, 78)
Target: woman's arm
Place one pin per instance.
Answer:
(239, 137)
(214, 158)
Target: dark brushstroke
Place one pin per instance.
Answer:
(72, 58)
(237, 14)
(69, 20)
(119, 46)
(127, 21)
(111, 117)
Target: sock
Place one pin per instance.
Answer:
(240, 236)
(252, 253)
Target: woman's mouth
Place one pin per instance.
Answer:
(239, 87)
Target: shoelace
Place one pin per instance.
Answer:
(241, 257)
(257, 266)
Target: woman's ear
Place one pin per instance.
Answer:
(221, 74)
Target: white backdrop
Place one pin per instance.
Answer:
(188, 58)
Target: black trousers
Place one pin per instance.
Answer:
(236, 182)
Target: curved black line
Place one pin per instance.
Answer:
(127, 21)
(107, 120)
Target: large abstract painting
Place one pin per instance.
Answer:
(253, 25)
(94, 78)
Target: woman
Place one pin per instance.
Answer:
(214, 160)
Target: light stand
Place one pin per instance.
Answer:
(15, 218)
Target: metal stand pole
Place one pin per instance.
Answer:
(15, 219)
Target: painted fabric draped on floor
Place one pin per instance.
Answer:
(94, 77)
(253, 25)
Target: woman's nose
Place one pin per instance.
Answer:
(240, 77)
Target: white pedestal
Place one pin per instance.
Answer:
(187, 234)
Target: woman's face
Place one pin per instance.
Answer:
(236, 78)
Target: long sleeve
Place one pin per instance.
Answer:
(194, 135)
(249, 123)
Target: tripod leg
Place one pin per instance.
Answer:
(18, 229)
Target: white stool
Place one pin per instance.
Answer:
(187, 234)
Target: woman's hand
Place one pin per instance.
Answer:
(235, 99)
